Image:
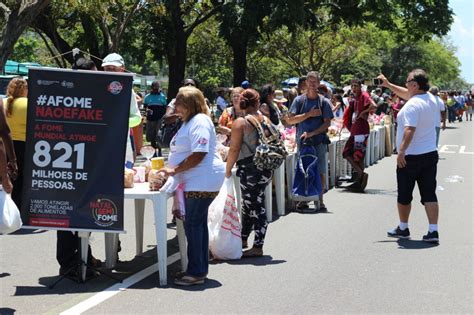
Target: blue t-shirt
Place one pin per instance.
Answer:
(157, 105)
(303, 104)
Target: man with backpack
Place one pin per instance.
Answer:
(312, 114)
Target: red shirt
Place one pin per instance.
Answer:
(360, 126)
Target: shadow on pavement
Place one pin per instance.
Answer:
(411, 244)
(415, 244)
(7, 311)
(255, 261)
(27, 232)
(123, 270)
(381, 192)
(209, 284)
(3, 275)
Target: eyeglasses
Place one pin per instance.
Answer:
(408, 81)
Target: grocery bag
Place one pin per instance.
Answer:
(225, 242)
(10, 219)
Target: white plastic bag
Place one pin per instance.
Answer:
(10, 219)
(225, 242)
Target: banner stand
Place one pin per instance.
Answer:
(84, 236)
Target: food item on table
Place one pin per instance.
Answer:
(147, 166)
(128, 178)
(156, 179)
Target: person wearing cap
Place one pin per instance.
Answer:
(245, 84)
(280, 101)
(440, 112)
(417, 159)
(114, 63)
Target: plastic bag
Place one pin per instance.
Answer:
(179, 203)
(225, 242)
(10, 219)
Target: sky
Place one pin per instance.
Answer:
(462, 36)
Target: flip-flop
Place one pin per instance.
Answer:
(188, 280)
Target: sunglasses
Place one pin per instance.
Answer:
(408, 81)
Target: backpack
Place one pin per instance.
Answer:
(306, 181)
(271, 152)
(167, 132)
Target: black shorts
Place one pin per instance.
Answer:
(422, 170)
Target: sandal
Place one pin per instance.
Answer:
(188, 280)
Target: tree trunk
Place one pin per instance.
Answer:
(15, 25)
(50, 29)
(239, 50)
(177, 66)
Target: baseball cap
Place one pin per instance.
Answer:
(113, 59)
(245, 84)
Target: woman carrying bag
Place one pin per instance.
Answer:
(243, 145)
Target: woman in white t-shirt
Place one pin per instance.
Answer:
(194, 161)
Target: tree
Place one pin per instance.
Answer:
(92, 25)
(16, 16)
(172, 23)
(209, 59)
(242, 22)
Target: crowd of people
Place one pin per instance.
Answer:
(242, 113)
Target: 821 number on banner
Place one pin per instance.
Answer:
(42, 156)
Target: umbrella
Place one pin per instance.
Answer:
(294, 82)
(329, 85)
(290, 81)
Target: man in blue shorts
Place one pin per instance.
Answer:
(312, 114)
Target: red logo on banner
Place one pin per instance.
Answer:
(104, 212)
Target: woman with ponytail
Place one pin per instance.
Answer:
(15, 112)
(253, 181)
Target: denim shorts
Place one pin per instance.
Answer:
(420, 169)
(321, 153)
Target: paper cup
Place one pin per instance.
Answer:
(139, 174)
(157, 163)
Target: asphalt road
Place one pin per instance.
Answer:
(336, 262)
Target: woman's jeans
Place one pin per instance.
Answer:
(197, 234)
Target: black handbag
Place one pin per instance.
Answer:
(167, 132)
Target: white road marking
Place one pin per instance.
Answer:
(445, 148)
(116, 288)
(453, 150)
(463, 150)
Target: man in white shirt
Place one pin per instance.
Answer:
(417, 153)
(441, 121)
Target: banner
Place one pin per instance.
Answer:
(77, 129)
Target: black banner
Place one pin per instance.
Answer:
(77, 129)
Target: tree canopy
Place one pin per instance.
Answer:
(222, 43)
